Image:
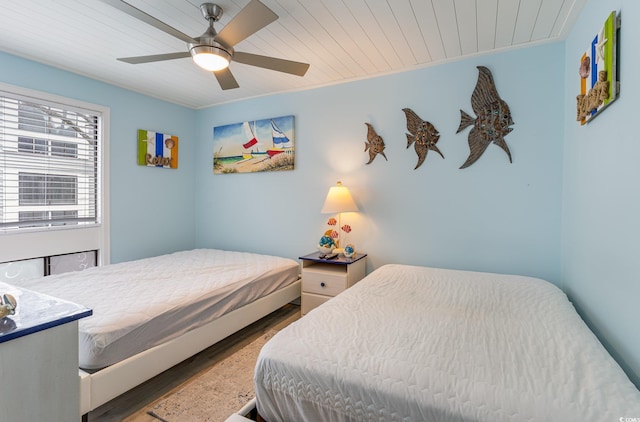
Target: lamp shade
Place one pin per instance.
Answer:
(338, 200)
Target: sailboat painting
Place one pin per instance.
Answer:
(254, 146)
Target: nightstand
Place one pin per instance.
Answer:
(323, 279)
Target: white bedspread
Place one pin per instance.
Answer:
(420, 344)
(139, 304)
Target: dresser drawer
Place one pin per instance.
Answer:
(324, 282)
(311, 301)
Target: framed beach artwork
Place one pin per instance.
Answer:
(254, 146)
(157, 149)
(598, 73)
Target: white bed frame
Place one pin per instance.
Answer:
(106, 384)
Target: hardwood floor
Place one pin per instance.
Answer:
(131, 405)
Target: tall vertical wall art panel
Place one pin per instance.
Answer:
(597, 70)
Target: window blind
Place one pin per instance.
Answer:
(49, 164)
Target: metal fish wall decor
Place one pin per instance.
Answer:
(493, 118)
(422, 134)
(374, 144)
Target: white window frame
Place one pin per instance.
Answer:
(65, 239)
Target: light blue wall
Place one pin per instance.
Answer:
(492, 216)
(601, 205)
(151, 209)
(565, 210)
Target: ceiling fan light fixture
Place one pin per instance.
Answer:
(212, 51)
(210, 58)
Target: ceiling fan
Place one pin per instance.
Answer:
(213, 50)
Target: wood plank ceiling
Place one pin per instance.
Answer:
(341, 39)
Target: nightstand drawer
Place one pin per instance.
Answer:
(324, 283)
(323, 279)
(311, 301)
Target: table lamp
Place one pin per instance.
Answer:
(338, 200)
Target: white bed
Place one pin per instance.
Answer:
(151, 314)
(422, 344)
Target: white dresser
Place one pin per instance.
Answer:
(39, 358)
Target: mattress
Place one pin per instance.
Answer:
(422, 344)
(140, 304)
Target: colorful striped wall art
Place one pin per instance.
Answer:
(157, 149)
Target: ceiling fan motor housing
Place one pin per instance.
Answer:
(211, 11)
(206, 43)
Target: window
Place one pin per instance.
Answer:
(47, 189)
(58, 218)
(42, 146)
(34, 146)
(50, 160)
(53, 176)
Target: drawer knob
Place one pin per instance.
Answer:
(322, 284)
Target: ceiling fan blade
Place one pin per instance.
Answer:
(225, 79)
(155, 58)
(281, 65)
(249, 20)
(148, 19)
